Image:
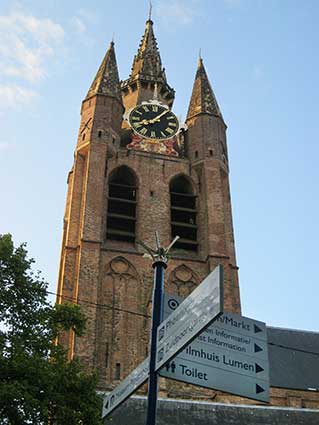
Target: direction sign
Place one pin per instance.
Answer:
(193, 314)
(209, 377)
(126, 388)
(230, 355)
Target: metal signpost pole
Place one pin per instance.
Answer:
(160, 259)
(157, 317)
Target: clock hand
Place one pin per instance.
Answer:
(158, 116)
(146, 122)
(86, 125)
(156, 119)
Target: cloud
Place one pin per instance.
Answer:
(177, 11)
(15, 95)
(88, 15)
(82, 20)
(78, 25)
(27, 44)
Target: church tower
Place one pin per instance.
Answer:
(122, 187)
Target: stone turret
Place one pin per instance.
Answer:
(102, 108)
(206, 126)
(203, 100)
(106, 81)
(101, 119)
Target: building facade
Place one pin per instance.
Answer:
(121, 188)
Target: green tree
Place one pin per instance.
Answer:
(37, 383)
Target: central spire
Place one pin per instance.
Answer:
(147, 64)
(147, 71)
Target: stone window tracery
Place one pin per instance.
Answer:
(182, 281)
(119, 329)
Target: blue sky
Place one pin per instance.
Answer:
(262, 60)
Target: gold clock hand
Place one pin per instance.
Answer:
(158, 116)
(145, 122)
(156, 119)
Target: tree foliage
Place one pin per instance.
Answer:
(37, 383)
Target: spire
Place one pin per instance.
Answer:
(107, 80)
(203, 100)
(150, 10)
(147, 64)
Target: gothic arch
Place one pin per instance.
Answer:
(119, 329)
(121, 283)
(123, 170)
(191, 182)
(120, 266)
(182, 281)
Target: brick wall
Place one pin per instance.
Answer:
(112, 279)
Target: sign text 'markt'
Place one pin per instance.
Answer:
(230, 355)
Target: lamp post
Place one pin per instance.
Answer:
(160, 259)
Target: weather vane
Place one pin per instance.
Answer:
(160, 253)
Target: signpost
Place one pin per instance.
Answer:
(198, 310)
(230, 355)
(202, 306)
(198, 344)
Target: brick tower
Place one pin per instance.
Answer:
(121, 189)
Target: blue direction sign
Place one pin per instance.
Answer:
(230, 355)
(212, 377)
(193, 314)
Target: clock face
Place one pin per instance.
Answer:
(153, 121)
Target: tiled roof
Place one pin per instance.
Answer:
(203, 100)
(147, 64)
(293, 358)
(107, 80)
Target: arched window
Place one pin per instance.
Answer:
(183, 213)
(121, 211)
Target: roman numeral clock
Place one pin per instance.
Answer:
(155, 128)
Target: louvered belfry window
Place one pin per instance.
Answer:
(183, 214)
(121, 211)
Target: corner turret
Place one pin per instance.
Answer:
(206, 126)
(102, 108)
